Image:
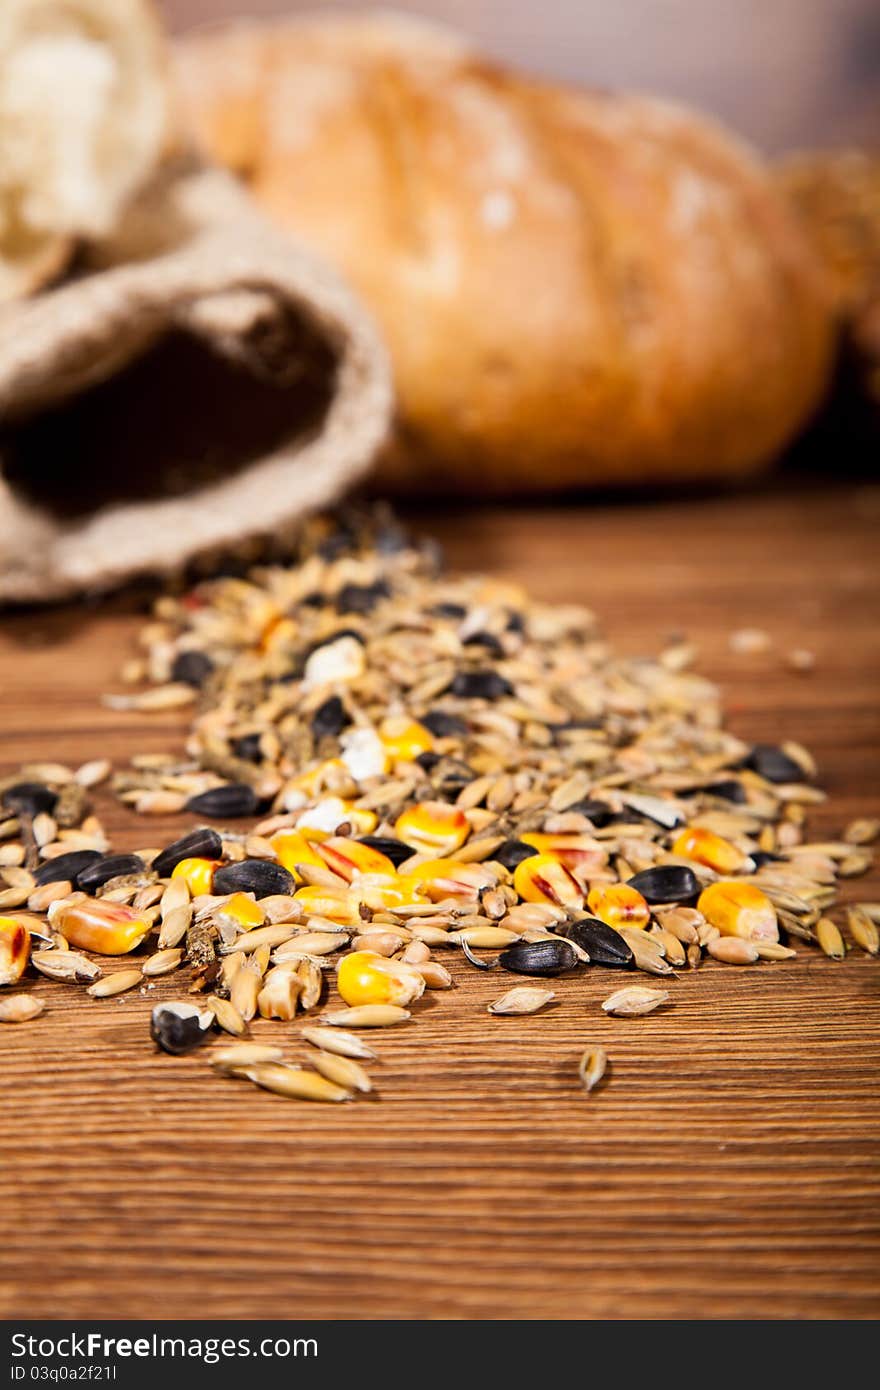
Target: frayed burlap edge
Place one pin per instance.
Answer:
(222, 263)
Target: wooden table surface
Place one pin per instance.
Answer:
(729, 1167)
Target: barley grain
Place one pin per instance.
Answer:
(117, 983)
(733, 950)
(863, 930)
(634, 1000)
(339, 1042)
(829, 938)
(235, 1058)
(524, 999)
(294, 1082)
(343, 1071)
(592, 1068)
(366, 1016)
(227, 1016)
(162, 962)
(20, 1008)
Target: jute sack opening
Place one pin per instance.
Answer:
(202, 380)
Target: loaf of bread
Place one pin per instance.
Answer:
(577, 288)
(84, 116)
(837, 195)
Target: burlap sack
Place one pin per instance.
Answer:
(202, 380)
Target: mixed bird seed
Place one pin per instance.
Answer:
(386, 761)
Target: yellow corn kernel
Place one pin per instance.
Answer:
(198, 873)
(542, 879)
(704, 847)
(291, 847)
(312, 782)
(278, 634)
(579, 853)
(109, 929)
(432, 826)
(15, 949)
(320, 822)
(448, 878)
(334, 904)
(739, 909)
(348, 858)
(383, 892)
(242, 910)
(618, 905)
(404, 739)
(364, 977)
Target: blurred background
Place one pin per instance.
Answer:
(577, 294)
(785, 73)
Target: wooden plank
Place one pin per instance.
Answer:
(728, 1168)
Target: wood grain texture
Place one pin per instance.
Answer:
(728, 1167)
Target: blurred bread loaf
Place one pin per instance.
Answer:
(84, 116)
(837, 195)
(576, 287)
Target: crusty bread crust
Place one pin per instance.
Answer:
(837, 196)
(576, 287)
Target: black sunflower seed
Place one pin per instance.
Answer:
(395, 850)
(480, 685)
(248, 748)
(729, 790)
(575, 725)
(538, 957)
(444, 725)
(29, 798)
(602, 943)
(193, 668)
(484, 639)
(203, 843)
(447, 610)
(107, 866)
(773, 765)
(598, 812)
(666, 883)
(428, 761)
(760, 857)
(450, 776)
(66, 866)
(361, 598)
(513, 852)
(177, 1027)
(330, 718)
(516, 622)
(261, 877)
(235, 799)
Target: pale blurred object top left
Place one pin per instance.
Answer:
(84, 119)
